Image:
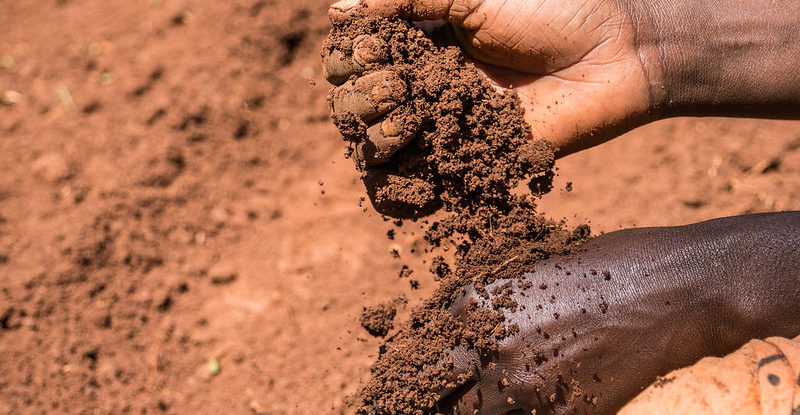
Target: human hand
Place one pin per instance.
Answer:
(595, 329)
(573, 64)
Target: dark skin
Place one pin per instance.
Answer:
(634, 305)
(587, 71)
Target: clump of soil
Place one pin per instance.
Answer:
(471, 151)
(472, 144)
(378, 320)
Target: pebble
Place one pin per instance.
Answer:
(52, 167)
(10, 97)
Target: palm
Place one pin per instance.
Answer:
(573, 65)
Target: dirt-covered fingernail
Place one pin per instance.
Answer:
(384, 139)
(369, 49)
(391, 128)
(387, 90)
(338, 11)
(344, 5)
(370, 96)
(338, 67)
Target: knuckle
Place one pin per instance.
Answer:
(338, 67)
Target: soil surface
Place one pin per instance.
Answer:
(179, 231)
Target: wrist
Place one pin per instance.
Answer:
(719, 57)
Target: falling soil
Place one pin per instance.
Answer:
(471, 150)
(378, 320)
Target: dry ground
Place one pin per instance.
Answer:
(173, 193)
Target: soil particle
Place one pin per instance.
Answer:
(378, 320)
(405, 272)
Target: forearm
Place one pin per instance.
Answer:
(730, 279)
(744, 268)
(720, 57)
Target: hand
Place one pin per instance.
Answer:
(574, 64)
(597, 328)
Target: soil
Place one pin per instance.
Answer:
(378, 320)
(179, 232)
(472, 145)
(472, 148)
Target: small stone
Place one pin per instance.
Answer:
(10, 97)
(257, 408)
(213, 366)
(52, 167)
(106, 78)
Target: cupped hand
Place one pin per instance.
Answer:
(596, 328)
(574, 64)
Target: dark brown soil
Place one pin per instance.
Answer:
(471, 150)
(472, 145)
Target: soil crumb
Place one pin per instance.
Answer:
(378, 320)
(471, 150)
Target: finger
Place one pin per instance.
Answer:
(582, 106)
(367, 51)
(479, 398)
(370, 96)
(384, 139)
(466, 401)
(412, 9)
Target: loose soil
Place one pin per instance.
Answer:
(173, 194)
(378, 320)
(472, 149)
(472, 144)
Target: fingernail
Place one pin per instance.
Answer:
(390, 128)
(344, 5)
(370, 96)
(383, 140)
(386, 93)
(397, 133)
(337, 67)
(377, 148)
(369, 49)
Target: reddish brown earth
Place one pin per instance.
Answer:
(173, 193)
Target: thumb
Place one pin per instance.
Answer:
(410, 9)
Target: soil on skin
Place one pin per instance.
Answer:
(472, 149)
(173, 191)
